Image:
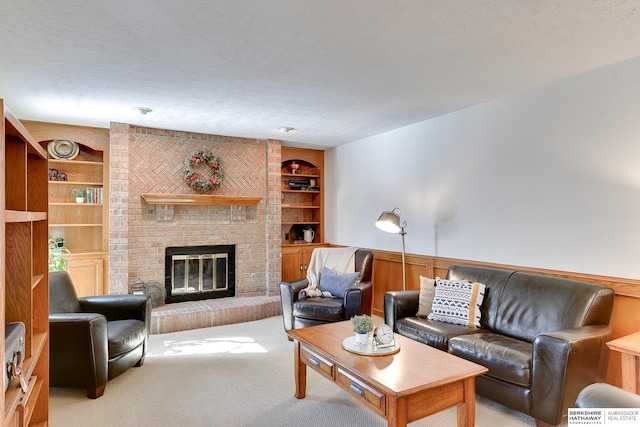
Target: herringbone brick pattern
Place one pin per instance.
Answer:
(156, 164)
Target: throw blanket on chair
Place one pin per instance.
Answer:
(342, 260)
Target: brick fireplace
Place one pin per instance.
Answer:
(146, 160)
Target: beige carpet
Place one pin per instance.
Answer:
(233, 375)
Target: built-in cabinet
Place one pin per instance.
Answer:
(24, 277)
(295, 261)
(81, 227)
(302, 205)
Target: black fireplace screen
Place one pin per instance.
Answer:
(199, 272)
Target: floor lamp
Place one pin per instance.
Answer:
(389, 221)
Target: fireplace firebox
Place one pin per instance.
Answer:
(199, 272)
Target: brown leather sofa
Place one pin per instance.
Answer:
(301, 312)
(94, 339)
(542, 338)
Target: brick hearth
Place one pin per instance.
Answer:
(213, 312)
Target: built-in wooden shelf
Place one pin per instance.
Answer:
(303, 222)
(22, 216)
(76, 183)
(76, 204)
(88, 224)
(24, 277)
(200, 199)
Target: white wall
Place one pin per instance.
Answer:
(549, 178)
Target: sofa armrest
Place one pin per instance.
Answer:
(357, 300)
(119, 307)
(564, 362)
(288, 295)
(399, 304)
(78, 351)
(603, 395)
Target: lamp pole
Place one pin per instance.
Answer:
(404, 268)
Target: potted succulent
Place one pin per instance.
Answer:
(79, 195)
(362, 326)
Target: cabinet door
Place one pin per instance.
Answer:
(87, 274)
(306, 259)
(292, 265)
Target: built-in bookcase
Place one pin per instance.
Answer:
(302, 203)
(83, 228)
(24, 278)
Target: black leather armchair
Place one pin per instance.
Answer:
(299, 313)
(94, 339)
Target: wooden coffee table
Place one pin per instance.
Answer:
(416, 382)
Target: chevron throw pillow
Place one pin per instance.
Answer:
(457, 302)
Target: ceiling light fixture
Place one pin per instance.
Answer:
(286, 129)
(142, 110)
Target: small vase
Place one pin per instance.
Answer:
(80, 199)
(362, 338)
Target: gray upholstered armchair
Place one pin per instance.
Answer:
(301, 312)
(94, 339)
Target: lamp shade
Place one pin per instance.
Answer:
(389, 221)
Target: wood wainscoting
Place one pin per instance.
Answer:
(387, 276)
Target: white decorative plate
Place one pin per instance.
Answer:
(63, 149)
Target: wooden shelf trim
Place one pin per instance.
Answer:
(15, 128)
(300, 222)
(74, 204)
(92, 183)
(75, 162)
(24, 216)
(200, 199)
(99, 224)
(285, 206)
(84, 253)
(36, 280)
(299, 175)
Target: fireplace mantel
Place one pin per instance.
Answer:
(199, 199)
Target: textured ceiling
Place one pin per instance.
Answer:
(336, 70)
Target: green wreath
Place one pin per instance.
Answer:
(203, 180)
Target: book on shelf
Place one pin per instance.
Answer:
(94, 195)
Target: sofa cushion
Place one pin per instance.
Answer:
(532, 304)
(125, 335)
(457, 302)
(321, 309)
(427, 292)
(507, 359)
(435, 334)
(336, 283)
